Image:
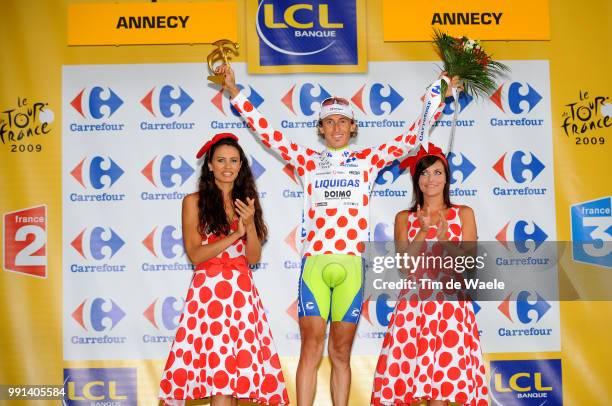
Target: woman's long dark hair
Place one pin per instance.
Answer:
(423, 164)
(211, 210)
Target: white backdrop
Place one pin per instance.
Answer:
(125, 272)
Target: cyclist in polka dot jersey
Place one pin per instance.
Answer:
(337, 183)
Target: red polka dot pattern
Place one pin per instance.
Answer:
(348, 217)
(223, 344)
(434, 343)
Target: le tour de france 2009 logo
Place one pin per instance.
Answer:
(26, 121)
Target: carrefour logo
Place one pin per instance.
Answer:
(169, 101)
(526, 308)
(527, 236)
(98, 244)
(591, 224)
(97, 172)
(170, 171)
(166, 241)
(459, 164)
(164, 313)
(302, 32)
(526, 382)
(460, 168)
(519, 167)
(519, 99)
(529, 307)
(97, 103)
(307, 98)
(221, 103)
(381, 99)
(382, 310)
(98, 314)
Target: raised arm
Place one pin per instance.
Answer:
(401, 146)
(298, 156)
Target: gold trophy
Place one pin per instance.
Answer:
(222, 53)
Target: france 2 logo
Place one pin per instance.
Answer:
(164, 242)
(98, 314)
(169, 101)
(98, 102)
(515, 167)
(169, 171)
(522, 98)
(100, 243)
(165, 313)
(98, 172)
(591, 224)
(25, 241)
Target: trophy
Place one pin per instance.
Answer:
(224, 48)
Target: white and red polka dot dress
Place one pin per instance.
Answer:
(431, 350)
(223, 345)
(337, 183)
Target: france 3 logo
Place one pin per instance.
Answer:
(519, 168)
(100, 386)
(526, 382)
(24, 234)
(461, 168)
(96, 104)
(169, 171)
(166, 241)
(307, 32)
(98, 314)
(591, 224)
(164, 313)
(516, 99)
(97, 173)
(97, 243)
(168, 103)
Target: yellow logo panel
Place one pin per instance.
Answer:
(478, 19)
(151, 23)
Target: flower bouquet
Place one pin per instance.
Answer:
(464, 57)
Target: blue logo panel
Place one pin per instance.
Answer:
(92, 386)
(526, 383)
(307, 32)
(592, 232)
